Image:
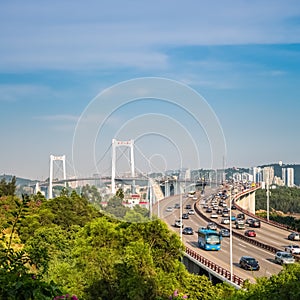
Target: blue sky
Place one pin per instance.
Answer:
(242, 57)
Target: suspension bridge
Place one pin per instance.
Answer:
(162, 186)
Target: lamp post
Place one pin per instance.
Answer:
(268, 199)
(230, 238)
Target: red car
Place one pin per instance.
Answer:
(250, 233)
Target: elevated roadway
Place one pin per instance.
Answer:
(275, 238)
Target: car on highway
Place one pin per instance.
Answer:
(254, 223)
(250, 233)
(191, 212)
(219, 211)
(294, 249)
(188, 206)
(214, 216)
(233, 207)
(188, 230)
(241, 216)
(185, 216)
(211, 225)
(209, 210)
(169, 209)
(177, 205)
(294, 236)
(283, 258)
(225, 221)
(249, 263)
(225, 232)
(249, 220)
(233, 218)
(178, 223)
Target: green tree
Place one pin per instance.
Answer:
(285, 285)
(116, 208)
(8, 189)
(120, 194)
(91, 193)
(17, 281)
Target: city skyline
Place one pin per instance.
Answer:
(242, 58)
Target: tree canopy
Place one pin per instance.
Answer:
(65, 246)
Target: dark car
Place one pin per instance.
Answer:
(219, 211)
(250, 233)
(177, 205)
(249, 263)
(255, 223)
(209, 210)
(233, 207)
(241, 216)
(188, 230)
(294, 236)
(185, 216)
(188, 206)
(249, 220)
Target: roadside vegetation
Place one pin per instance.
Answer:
(284, 204)
(68, 248)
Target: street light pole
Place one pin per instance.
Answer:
(268, 198)
(230, 238)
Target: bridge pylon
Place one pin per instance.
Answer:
(116, 144)
(53, 158)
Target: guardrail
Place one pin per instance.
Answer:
(214, 267)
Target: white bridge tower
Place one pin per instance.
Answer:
(53, 158)
(116, 144)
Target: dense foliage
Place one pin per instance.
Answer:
(283, 199)
(7, 188)
(59, 248)
(284, 202)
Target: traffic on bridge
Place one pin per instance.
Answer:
(251, 237)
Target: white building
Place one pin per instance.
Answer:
(268, 175)
(257, 174)
(288, 176)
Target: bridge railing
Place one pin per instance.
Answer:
(214, 267)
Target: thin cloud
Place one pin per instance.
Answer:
(18, 92)
(63, 117)
(136, 35)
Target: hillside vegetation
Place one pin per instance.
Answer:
(64, 248)
(283, 203)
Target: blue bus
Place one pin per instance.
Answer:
(209, 239)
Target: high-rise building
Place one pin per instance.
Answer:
(268, 175)
(257, 174)
(288, 176)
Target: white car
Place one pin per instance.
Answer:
(191, 212)
(169, 209)
(214, 216)
(178, 223)
(282, 257)
(294, 249)
(225, 221)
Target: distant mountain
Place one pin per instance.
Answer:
(19, 181)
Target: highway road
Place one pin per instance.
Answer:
(267, 234)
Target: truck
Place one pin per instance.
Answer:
(240, 224)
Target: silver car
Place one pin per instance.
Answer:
(283, 257)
